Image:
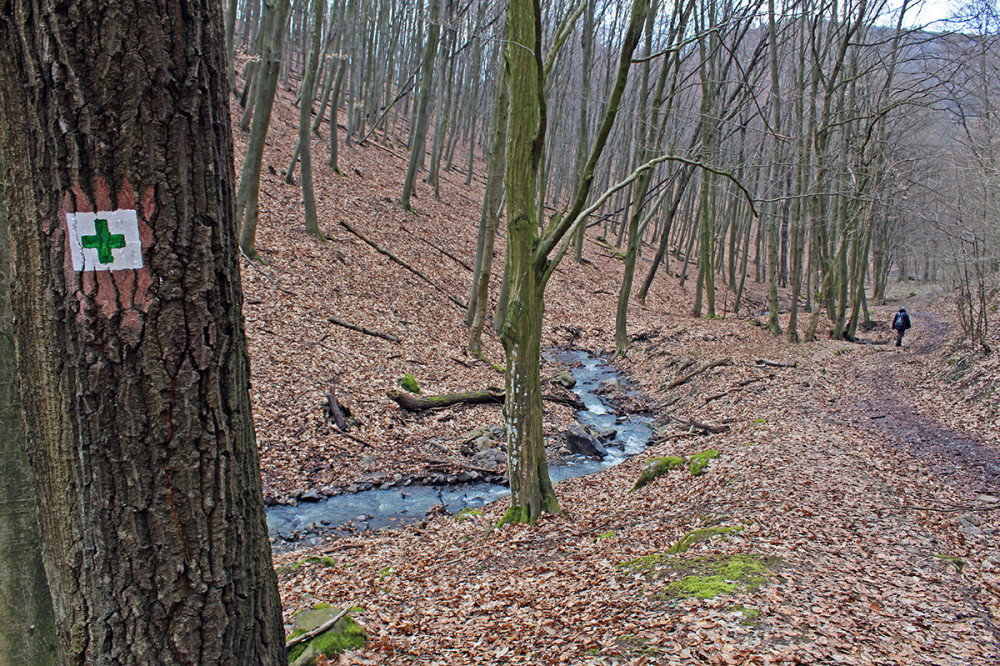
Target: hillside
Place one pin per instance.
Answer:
(836, 537)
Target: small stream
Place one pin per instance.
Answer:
(376, 508)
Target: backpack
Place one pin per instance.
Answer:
(901, 322)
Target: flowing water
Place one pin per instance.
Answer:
(377, 508)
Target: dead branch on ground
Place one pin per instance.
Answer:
(402, 263)
(361, 329)
(677, 382)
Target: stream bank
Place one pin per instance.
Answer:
(388, 506)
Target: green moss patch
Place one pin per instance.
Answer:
(699, 461)
(346, 634)
(409, 383)
(315, 559)
(655, 468)
(648, 565)
(468, 514)
(956, 562)
(751, 616)
(697, 536)
(715, 575)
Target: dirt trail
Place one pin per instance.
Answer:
(881, 407)
(968, 471)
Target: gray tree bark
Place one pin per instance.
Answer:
(248, 196)
(418, 137)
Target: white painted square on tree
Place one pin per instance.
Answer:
(107, 240)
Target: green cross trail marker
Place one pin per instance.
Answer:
(103, 241)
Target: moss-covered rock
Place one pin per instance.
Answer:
(715, 575)
(703, 534)
(468, 513)
(699, 461)
(409, 383)
(346, 634)
(655, 468)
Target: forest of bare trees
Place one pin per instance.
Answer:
(822, 148)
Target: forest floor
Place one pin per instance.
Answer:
(851, 516)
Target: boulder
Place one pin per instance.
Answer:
(607, 434)
(610, 385)
(490, 458)
(485, 442)
(311, 495)
(655, 468)
(584, 442)
(346, 634)
(566, 378)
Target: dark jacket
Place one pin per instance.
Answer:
(901, 321)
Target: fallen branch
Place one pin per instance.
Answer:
(707, 427)
(678, 435)
(457, 463)
(775, 364)
(357, 439)
(440, 249)
(735, 388)
(309, 635)
(362, 329)
(402, 263)
(677, 382)
(253, 265)
(419, 403)
(334, 406)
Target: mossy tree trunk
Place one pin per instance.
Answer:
(135, 377)
(529, 265)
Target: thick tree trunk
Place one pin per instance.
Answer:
(27, 624)
(527, 467)
(138, 415)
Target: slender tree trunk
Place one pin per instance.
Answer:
(587, 48)
(305, 118)
(489, 217)
(248, 195)
(231, 45)
(334, 108)
(418, 135)
(132, 347)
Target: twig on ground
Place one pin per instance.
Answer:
(677, 382)
(361, 329)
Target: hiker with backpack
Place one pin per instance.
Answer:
(900, 323)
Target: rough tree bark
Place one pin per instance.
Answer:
(27, 625)
(134, 358)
